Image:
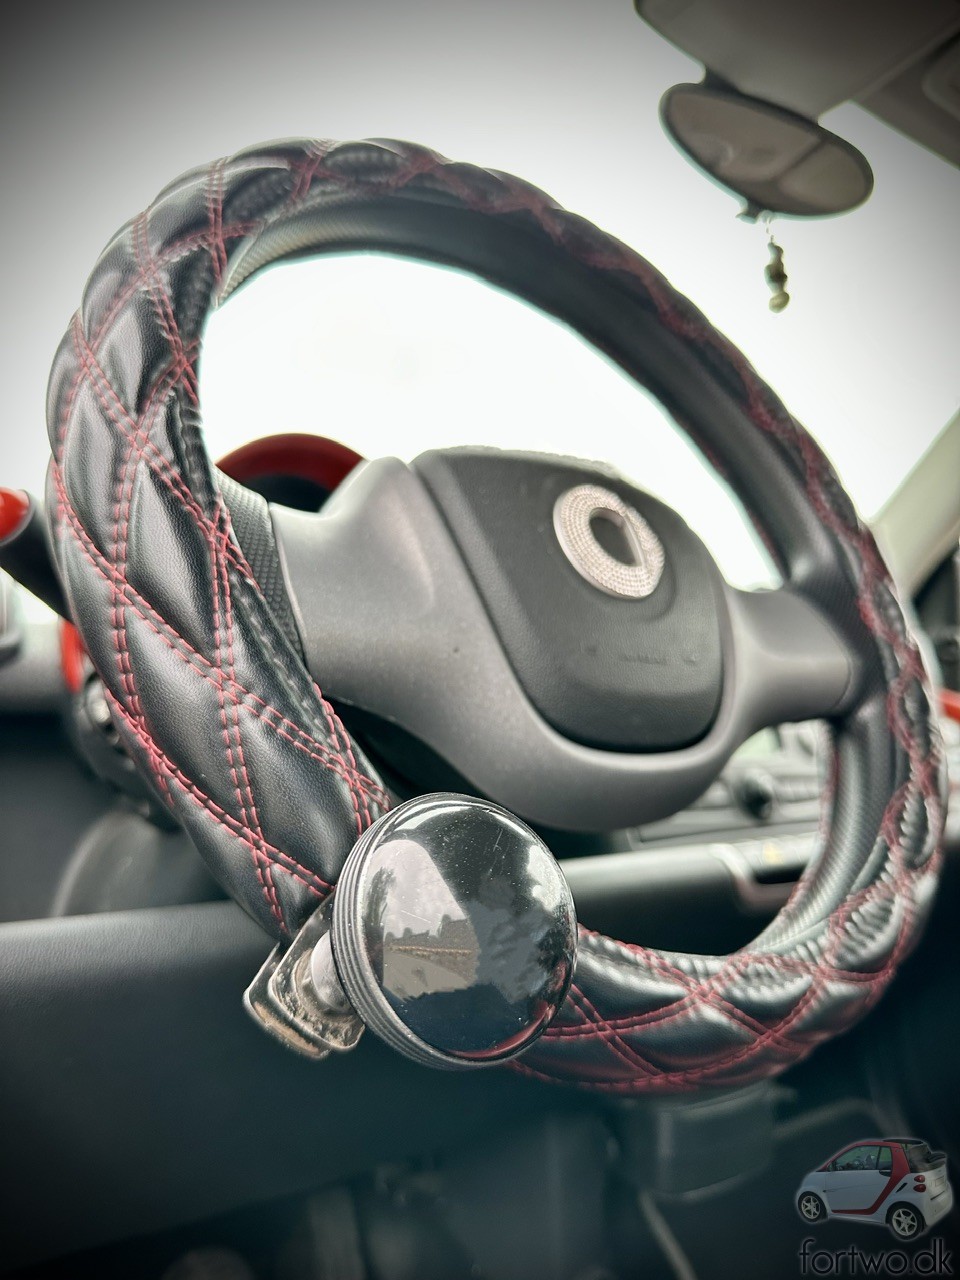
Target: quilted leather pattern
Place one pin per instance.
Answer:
(219, 711)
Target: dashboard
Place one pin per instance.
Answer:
(705, 879)
(121, 967)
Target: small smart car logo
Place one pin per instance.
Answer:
(573, 516)
(894, 1182)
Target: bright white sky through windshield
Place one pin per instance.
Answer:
(394, 357)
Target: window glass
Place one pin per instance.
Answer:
(396, 357)
(857, 1158)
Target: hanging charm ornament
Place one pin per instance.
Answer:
(775, 272)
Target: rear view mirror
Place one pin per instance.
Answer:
(776, 160)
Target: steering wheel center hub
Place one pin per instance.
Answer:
(626, 656)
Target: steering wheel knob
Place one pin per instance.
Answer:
(454, 933)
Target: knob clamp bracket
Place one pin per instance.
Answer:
(285, 998)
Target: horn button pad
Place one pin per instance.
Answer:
(607, 605)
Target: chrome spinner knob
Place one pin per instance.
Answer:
(453, 934)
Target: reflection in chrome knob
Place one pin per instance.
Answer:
(454, 932)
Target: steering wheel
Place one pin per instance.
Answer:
(474, 599)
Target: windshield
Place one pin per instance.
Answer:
(397, 357)
(394, 357)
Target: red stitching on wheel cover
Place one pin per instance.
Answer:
(217, 708)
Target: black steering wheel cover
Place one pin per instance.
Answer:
(216, 705)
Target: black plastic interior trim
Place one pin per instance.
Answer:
(138, 1094)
